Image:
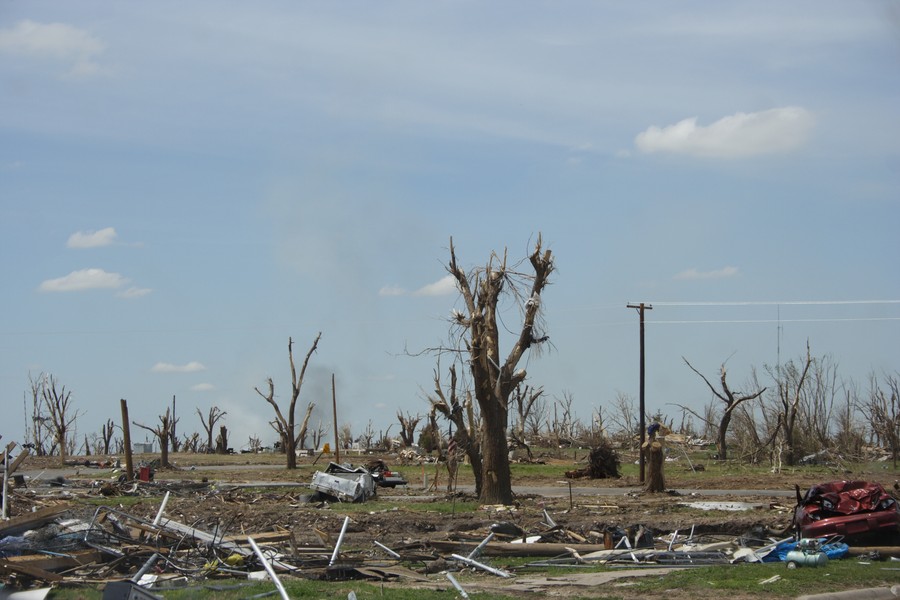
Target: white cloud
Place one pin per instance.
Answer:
(191, 367)
(391, 290)
(134, 292)
(203, 387)
(92, 239)
(722, 273)
(74, 47)
(443, 287)
(743, 134)
(85, 279)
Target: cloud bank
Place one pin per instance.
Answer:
(92, 239)
(443, 287)
(85, 279)
(773, 131)
(73, 47)
(391, 290)
(133, 292)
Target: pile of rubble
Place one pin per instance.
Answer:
(83, 535)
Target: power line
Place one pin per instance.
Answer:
(725, 321)
(781, 303)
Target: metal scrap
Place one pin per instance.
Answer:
(118, 547)
(352, 486)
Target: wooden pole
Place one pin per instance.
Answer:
(337, 443)
(172, 435)
(643, 425)
(126, 438)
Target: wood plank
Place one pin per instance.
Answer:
(18, 461)
(56, 563)
(31, 520)
(7, 450)
(33, 572)
(266, 537)
(506, 549)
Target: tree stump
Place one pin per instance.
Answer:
(656, 481)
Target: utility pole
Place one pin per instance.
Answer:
(641, 308)
(337, 441)
(126, 439)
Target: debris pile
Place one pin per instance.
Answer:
(136, 538)
(603, 463)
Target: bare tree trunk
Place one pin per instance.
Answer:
(164, 452)
(106, 434)
(882, 411)
(496, 483)
(494, 378)
(61, 416)
(162, 432)
(466, 435)
(303, 432)
(284, 425)
(731, 399)
(408, 425)
(222, 441)
(209, 423)
(790, 388)
(656, 481)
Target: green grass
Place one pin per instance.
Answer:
(723, 581)
(739, 581)
(118, 501)
(296, 588)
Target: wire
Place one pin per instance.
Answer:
(773, 303)
(834, 320)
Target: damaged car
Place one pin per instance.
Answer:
(355, 484)
(853, 509)
(384, 476)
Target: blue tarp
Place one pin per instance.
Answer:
(832, 551)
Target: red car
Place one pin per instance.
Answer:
(853, 509)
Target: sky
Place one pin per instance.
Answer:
(184, 187)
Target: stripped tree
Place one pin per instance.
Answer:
(882, 411)
(38, 433)
(60, 414)
(525, 399)
(791, 380)
(408, 425)
(106, 435)
(209, 424)
(462, 415)
(731, 399)
(494, 377)
(162, 433)
(285, 425)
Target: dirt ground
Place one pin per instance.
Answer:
(206, 493)
(586, 514)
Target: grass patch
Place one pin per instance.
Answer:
(745, 579)
(296, 588)
(741, 581)
(118, 501)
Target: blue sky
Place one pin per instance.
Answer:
(183, 186)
